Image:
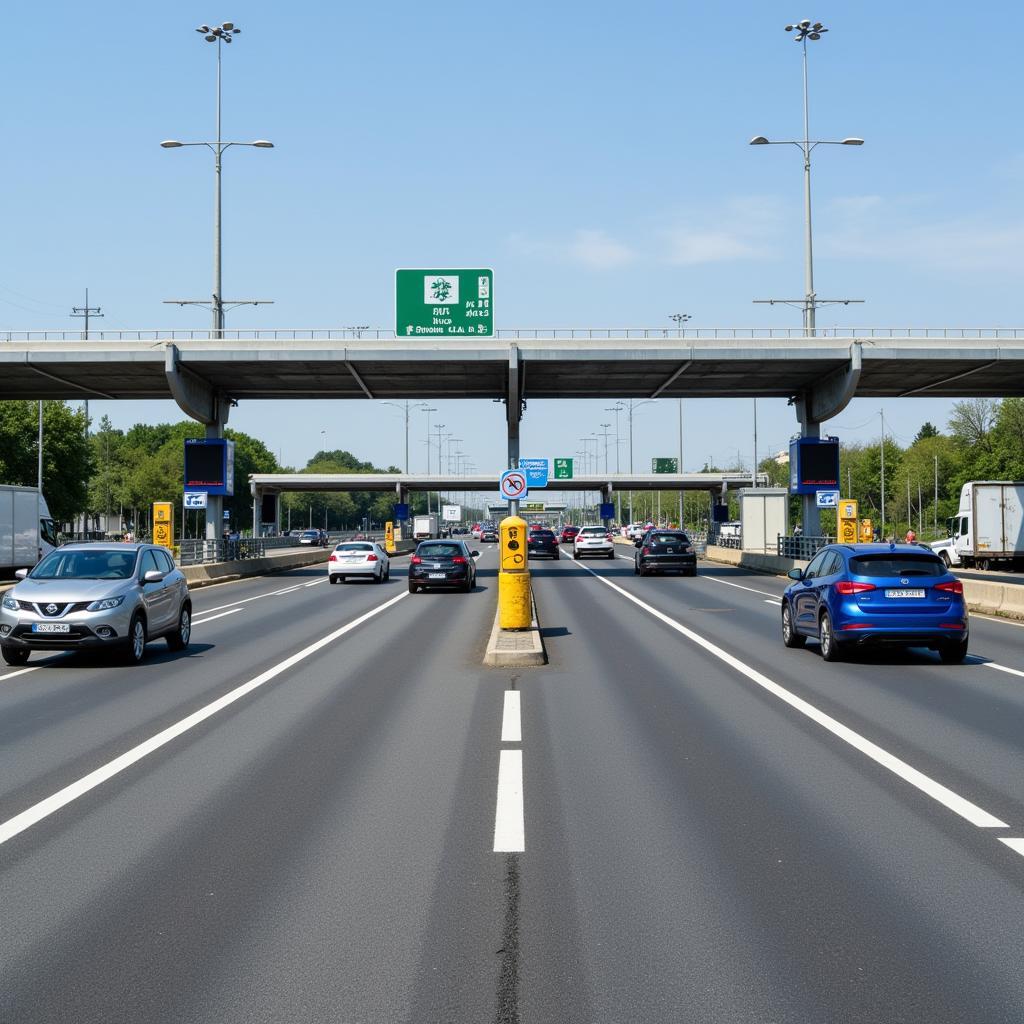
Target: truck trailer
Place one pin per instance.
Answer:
(27, 530)
(425, 527)
(988, 529)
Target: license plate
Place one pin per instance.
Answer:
(435, 575)
(904, 593)
(50, 627)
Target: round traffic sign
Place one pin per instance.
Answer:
(513, 484)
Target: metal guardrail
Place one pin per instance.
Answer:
(200, 552)
(801, 547)
(533, 333)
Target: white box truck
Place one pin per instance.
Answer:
(424, 527)
(27, 530)
(988, 530)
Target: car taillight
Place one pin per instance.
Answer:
(415, 560)
(458, 560)
(645, 550)
(334, 558)
(372, 558)
(608, 536)
(847, 587)
(951, 587)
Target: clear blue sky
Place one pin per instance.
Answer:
(594, 154)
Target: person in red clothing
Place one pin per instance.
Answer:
(911, 537)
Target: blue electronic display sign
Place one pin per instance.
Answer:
(210, 465)
(813, 464)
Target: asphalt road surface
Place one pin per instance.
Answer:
(327, 810)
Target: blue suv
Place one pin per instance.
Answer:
(865, 594)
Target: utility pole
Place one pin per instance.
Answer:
(881, 413)
(85, 312)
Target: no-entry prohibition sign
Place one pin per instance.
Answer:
(513, 484)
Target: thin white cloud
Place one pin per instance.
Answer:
(596, 250)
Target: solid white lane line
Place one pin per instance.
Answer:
(771, 600)
(210, 618)
(1003, 668)
(1015, 844)
(953, 801)
(43, 809)
(509, 829)
(714, 579)
(19, 672)
(511, 722)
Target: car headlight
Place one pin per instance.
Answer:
(10, 604)
(105, 604)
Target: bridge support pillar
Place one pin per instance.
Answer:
(401, 498)
(606, 499)
(513, 416)
(257, 509)
(827, 399)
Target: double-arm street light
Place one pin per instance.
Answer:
(406, 407)
(806, 30)
(220, 34)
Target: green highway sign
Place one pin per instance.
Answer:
(563, 469)
(664, 465)
(444, 303)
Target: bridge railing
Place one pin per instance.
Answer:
(341, 334)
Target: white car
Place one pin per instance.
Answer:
(593, 540)
(358, 558)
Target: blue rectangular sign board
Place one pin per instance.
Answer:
(401, 513)
(536, 471)
(607, 510)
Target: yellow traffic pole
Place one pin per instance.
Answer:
(515, 607)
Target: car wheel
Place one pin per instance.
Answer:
(378, 577)
(412, 587)
(556, 556)
(332, 579)
(953, 653)
(985, 564)
(178, 640)
(830, 650)
(135, 648)
(790, 637)
(15, 655)
(387, 572)
(945, 558)
(611, 554)
(467, 586)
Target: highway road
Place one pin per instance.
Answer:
(328, 810)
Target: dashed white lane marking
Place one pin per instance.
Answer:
(1016, 845)
(1003, 668)
(20, 672)
(509, 827)
(714, 579)
(511, 722)
(941, 794)
(258, 597)
(771, 600)
(43, 809)
(210, 618)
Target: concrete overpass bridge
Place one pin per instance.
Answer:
(818, 374)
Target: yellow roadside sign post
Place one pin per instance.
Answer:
(846, 522)
(163, 523)
(389, 537)
(515, 609)
(867, 531)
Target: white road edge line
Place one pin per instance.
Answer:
(511, 721)
(1016, 845)
(941, 794)
(1003, 668)
(19, 672)
(509, 830)
(726, 583)
(34, 814)
(210, 618)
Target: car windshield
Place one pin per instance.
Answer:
(897, 565)
(593, 531)
(71, 564)
(669, 538)
(439, 550)
(310, 533)
(542, 535)
(354, 547)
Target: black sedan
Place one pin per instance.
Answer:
(542, 542)
(442, 563)
(661, 550)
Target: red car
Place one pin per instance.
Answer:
(568, 534)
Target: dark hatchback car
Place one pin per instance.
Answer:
(664, 551)
(442, 563)
(865, 594)
(542, 542)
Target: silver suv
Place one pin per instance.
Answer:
(96, 595)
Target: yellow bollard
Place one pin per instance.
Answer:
(515, 607)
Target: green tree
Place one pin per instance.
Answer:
(927, 430)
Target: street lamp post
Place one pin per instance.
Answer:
(680, 320)
(631, 406)
(406, 407)
(804, 31)
(220, 34)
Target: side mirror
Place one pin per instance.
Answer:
(638, 543)
(21, 574)
(795, 574)
(475, 554)
(153, 576)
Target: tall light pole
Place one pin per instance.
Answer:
(323, 441)
(806, 30)
(680, 319)
(604, 434)
(220, 34)
(406, 407)
(633, 404)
